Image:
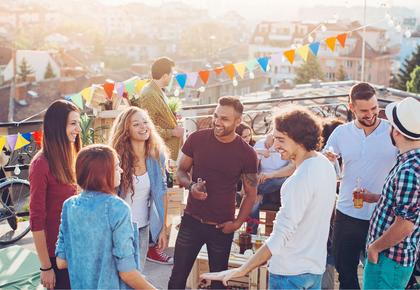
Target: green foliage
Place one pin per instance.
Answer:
(88, 133)
(37, 34)
(48, 46)
(413, 86)
(406, 70)
(174, 104)
(21, 41)
(309, 70)
(88, 29)
(118, 62)
(49, 72)
(25, 69)
(342, 75)
(204, 39)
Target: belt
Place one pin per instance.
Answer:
(200, 219)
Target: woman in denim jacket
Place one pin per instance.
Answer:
(143, 155)
(97, 240)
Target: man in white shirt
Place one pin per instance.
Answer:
(298, 243)
(367, 152)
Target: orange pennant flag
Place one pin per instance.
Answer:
(331, 42)
(109, 87)
(218, 70)
(342, 39)
(230, 70)
(204, 75)
(290, 54)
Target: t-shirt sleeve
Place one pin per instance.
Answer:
(38, 178)
(188, 148)
(407, 195)
(251, 164)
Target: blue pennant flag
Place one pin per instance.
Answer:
(181, 79)
(263, 61)
(314, 47)
(27, 137)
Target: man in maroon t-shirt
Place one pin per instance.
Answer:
(220, 158)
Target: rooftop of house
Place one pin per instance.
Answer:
(83, 56)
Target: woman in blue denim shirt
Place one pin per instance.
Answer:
(143, 187)
(97, 240)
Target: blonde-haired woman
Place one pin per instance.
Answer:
(143, 157)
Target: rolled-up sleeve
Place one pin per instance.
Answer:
(38, 178)
(122, 235)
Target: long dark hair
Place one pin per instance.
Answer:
(240, 129)
(56, 148)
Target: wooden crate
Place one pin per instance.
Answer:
(175, 197)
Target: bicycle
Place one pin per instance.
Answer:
(14, 209)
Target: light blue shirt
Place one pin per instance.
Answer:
(272, 163)
(98, 240)
(369, 157)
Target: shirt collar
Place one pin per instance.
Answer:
(408, 154)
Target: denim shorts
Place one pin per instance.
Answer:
(303, 281)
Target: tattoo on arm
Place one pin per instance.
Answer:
(251, 179)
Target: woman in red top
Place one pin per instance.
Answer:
(52, 179)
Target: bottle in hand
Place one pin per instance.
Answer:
(201, 186)
(358, 199)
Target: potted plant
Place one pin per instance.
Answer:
(107, 103)
(88, 133)
(245, 239)
(133, 100)
(175, 105)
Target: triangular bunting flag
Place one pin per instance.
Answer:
(11, 139)
(303, 51)
(342, 39)
(130, 87)
(230, 70)
(240, 68)
(38, 137)
(109, 88)
(2, 142)
(218, 70)
(169, 87)
(27, 137)
(20, 142)
(87, 94)
(119, 87)
(204, 75)
(330, 42)
(181, 79)
(290, 54)
(250, 65)
(140, 84)
(263, 61)
(192, 77)
(314, 47)
(77, 99)
(277, 58)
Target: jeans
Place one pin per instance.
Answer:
(303, 281)
(349, 238)
(143, 246)
(62, 279)
(270, 191)
(386, 274)
(192, 236)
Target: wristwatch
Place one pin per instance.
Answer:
(191, 184)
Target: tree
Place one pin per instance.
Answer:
(49, 72)
(413, 86)
(342, 75)
(204, 39)
(309, 70)
(405, 71)
(25, 69)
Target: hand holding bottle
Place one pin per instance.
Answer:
(199, 190)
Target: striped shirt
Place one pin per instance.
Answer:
(400, 197)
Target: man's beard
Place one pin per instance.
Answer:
(392, 137)
(367, 125)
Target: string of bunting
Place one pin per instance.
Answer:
(18, 140)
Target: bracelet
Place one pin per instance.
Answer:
(191, 184)
(50, 268)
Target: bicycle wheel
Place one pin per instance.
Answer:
(14, 210)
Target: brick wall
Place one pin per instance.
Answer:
(97, 79)
(20, 92)
(68, 86)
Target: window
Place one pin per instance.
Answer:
(369, 63)
(330, 63)
(259, 39)
(210, 100)
(347, 63)
(245, 91)
(268, 81)
(369, 78)
(330, 76)
(350, 76)
(235, 92)
(286, 31)
(263, 29)
(276, 69)
(302, 31)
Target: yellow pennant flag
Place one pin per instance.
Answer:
(20, 142)
(140, 84)
(330, 42)
(240, 68)
(2, 142)
(303, 51)
(87, 94)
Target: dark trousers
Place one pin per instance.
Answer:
(62, 280)
(192, 236)
(349, 238)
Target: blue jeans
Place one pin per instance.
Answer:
(266, 190)
(143, 246)
(192, 236)
(303, 281)
(386, 274)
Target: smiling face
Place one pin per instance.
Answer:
(139, 127)
(117, 171)
(225, 121)
(366, 111)
(246, 135)
(73, 126)
(285, 145)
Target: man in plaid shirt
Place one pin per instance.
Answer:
(394, 231)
